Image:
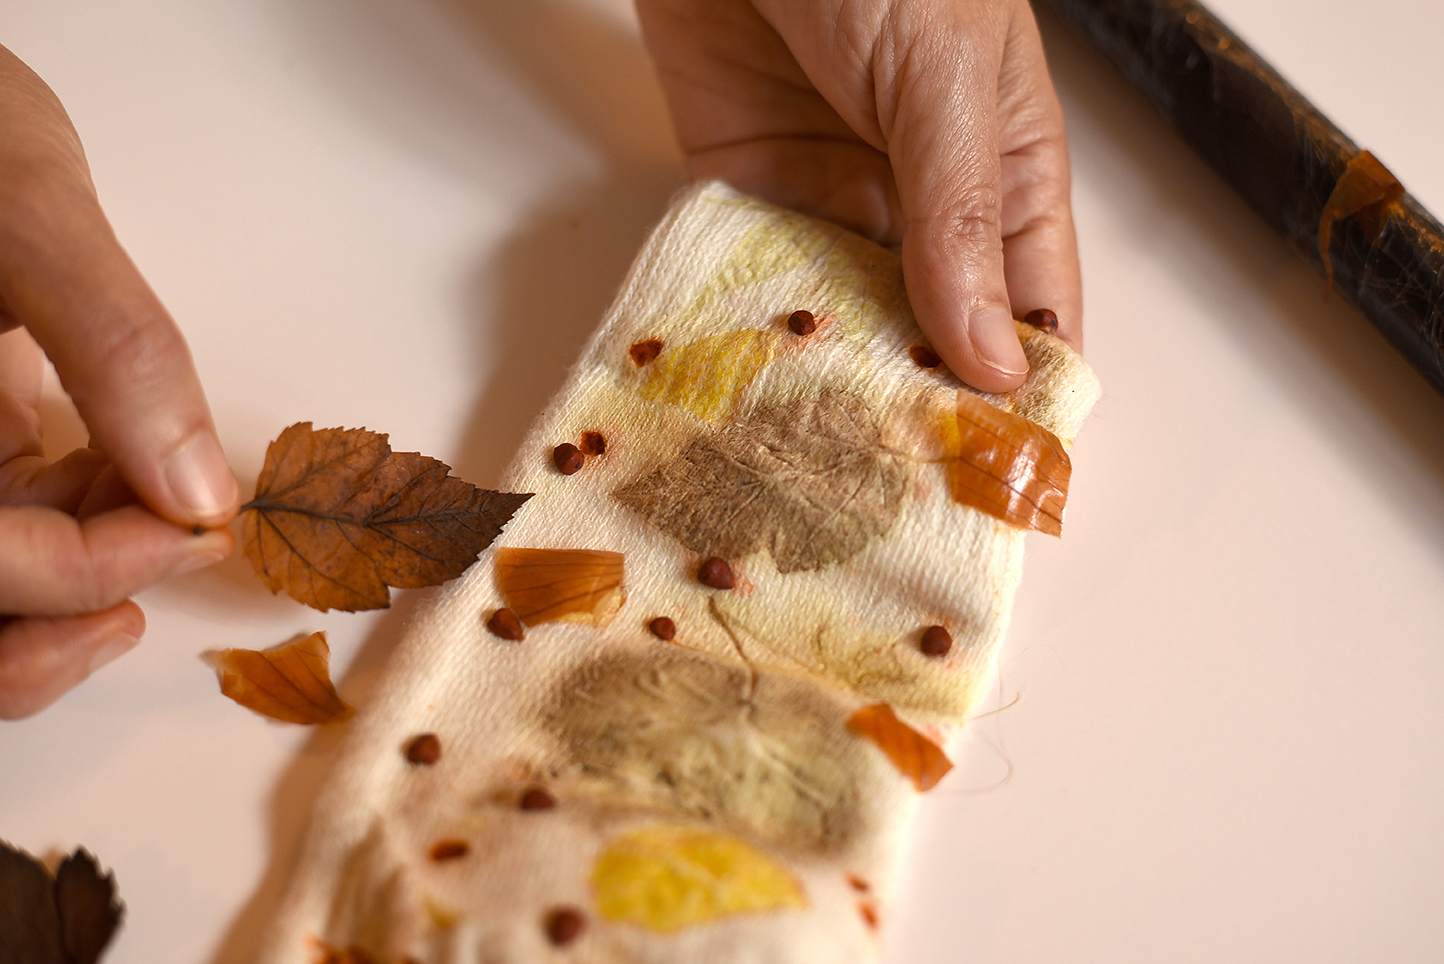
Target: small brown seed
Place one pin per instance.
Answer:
(1043, 319)
(937, 641)
(924, 357)
(645, 351)
(424, 750)
(715, 572)
(664, 628)
(564, 925)
(449, 850)
(593, 443)
(537, 799)
(858, 884)
(802, 322)
(568, 458)
(504, 623)
(869, 915)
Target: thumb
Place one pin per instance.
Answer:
(944, 144)
(120, 356)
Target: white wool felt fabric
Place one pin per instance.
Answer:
(607, 795)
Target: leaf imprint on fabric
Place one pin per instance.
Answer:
(809, 480)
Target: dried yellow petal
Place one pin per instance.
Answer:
(542, 585)
(668, 878)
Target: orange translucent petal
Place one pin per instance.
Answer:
(1008, 467)
(542, 585)
(918, 758)
(290, 682)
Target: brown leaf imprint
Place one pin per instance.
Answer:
(290, 682)
(338, 517)
(919, 759)
(806, 479)
(541, 585)
(1009, 467)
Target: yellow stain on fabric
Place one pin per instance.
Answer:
(668, 878)
(706, 376)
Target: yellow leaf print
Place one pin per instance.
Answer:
(667, 878)
(706, 376)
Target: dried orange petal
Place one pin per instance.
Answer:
(1009, 467)
(541, 585)
(290, 682)
(919, 759)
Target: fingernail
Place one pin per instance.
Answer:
(110, 651)
(201, 480)
(996, 340)
(206, 549)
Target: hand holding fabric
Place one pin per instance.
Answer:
(929, 124)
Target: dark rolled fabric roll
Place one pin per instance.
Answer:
(1285, 158)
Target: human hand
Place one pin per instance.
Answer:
(79, 536)
(930, 124)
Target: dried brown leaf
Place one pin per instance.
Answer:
(1008, 467)
(290, 682)
(920, 759)
(541, 585)
(338, 517)
(66, 919)
(89, 912)
(808, 479)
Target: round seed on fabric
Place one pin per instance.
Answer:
(504, 623)
(924, 357)
(568, 458)
(564, 925)
(424, 750)
(663, 628)
(593, 443)
(537, 799)
(1042, 319)
(802, 323)
(715, 572)
(644, 352)
(444, 850)
(936, 641)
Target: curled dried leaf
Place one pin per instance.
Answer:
(290, 682)
(920, 759)
(1008, 467)
(542, 585)
(338, 517)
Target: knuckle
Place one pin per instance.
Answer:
(144, 353)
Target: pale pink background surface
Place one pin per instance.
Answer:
(1223, 726)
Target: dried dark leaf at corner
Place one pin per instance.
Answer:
(807, 479)
(338, 518)
(29, 921)
(66, 919)
(89, 911)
